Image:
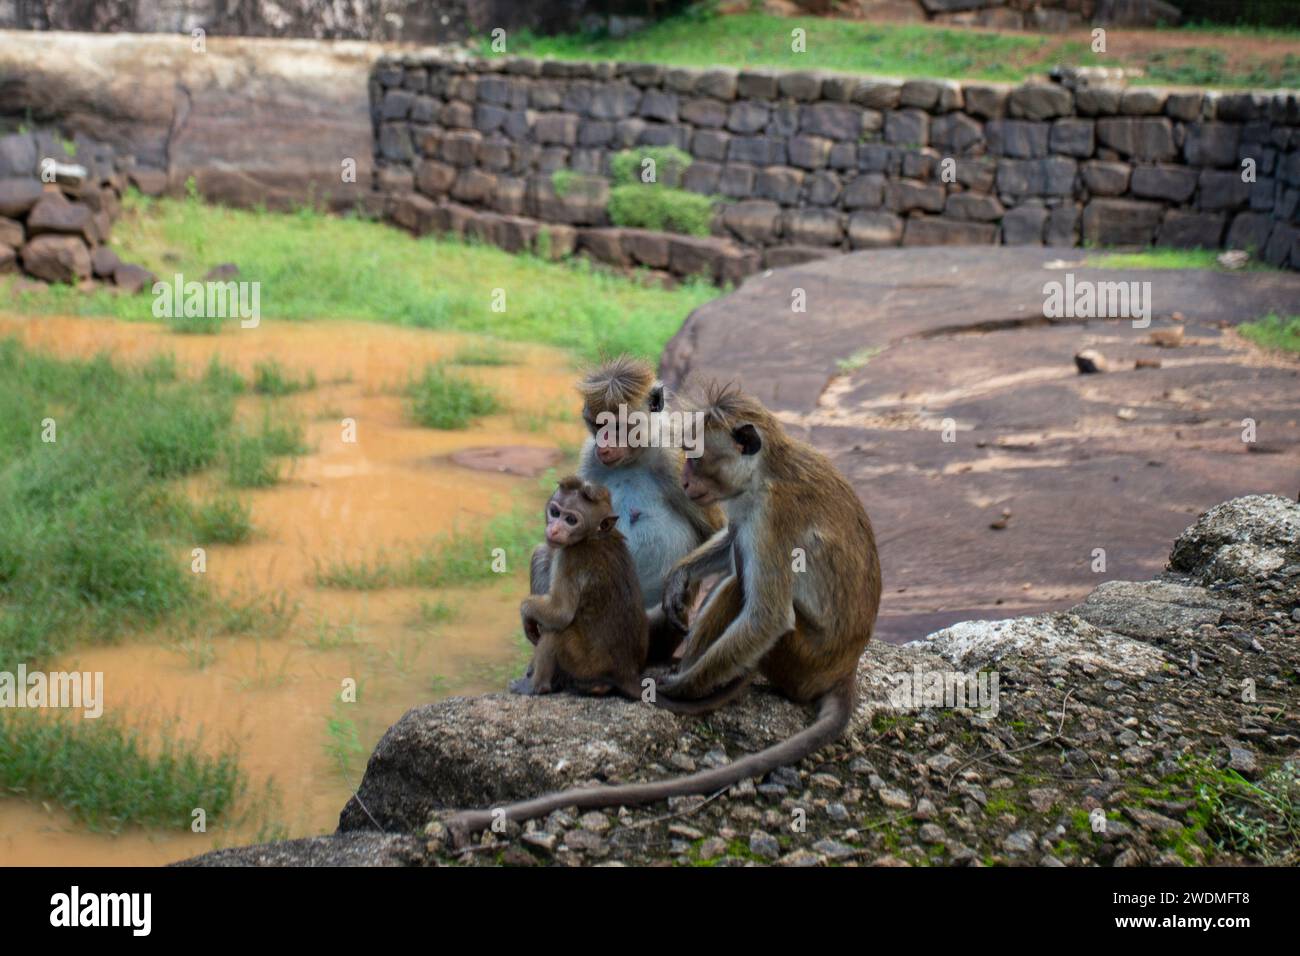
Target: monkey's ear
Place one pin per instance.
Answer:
(656, 400)
(747, 437)
(607, 522)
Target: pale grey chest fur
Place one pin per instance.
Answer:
(657, 535)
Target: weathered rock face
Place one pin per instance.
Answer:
(836, 162)
(1242, 540)
(410, 21)
(474, 751)
(278, 122)
(895, 346)
(1144, 687)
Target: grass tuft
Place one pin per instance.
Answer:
(443, 399)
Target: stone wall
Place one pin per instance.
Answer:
(58, 201)
(810, 163)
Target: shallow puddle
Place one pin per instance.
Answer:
(276, 696)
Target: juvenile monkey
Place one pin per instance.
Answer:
(798, 604)
(589, 627)
(661, 524)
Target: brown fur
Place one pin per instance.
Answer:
(590, 627)
(803, 630)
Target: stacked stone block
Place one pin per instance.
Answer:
(813, 163)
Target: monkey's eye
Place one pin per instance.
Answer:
(554, 512)
(570, 520)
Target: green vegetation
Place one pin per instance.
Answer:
(106, 776)
(701, 37)
(222, 521)
(859, 358)
(251, 455)
(1166, 258)
(662, 208)
(1274, 332)
(1260, 819)
(698, 38)
(457, 558)
(196, 324)
(443, 399)
(1200, 66)
(658, 203)
(94, 542)
(85, 519)
(665, 164)
(270, 379)
(486, 354)
(316, 266)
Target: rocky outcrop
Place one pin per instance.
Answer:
(410, 21)
(274, 122)
(1116, 733)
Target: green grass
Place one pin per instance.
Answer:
(453, 559)
(699, 37)
(1274, 332)
(196, 324)
(106, 776)
(669, 164)
(314, 266)
(222, 521)
(1201, 66)
(95, 539)
(269, 378)
(443, 399)
(484, 354)
(1164, 258)
(763, 40)
(86, 520)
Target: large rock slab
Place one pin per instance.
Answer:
(273, 121)
(1096, 471)
(351, 849)
(478, 751)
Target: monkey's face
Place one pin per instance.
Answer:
(725, 468)
(612, 449)
(570, 518)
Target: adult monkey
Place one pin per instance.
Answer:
(658, 519)
(798, 604)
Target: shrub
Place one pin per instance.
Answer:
(670, 165)
(662, 208)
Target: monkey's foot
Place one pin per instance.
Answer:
(522, 685)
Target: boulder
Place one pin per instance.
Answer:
(12, 233)
(1240, 540)
(57, 258)
(103, 261)
(18, 196)
(55, 214)
(131, 278)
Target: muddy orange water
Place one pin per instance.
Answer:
(274, 696)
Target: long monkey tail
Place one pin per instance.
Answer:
(833, 712)
(703, 705)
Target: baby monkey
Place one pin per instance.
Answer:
(589, 630)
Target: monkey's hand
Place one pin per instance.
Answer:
(532, 630)
(677, 597)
